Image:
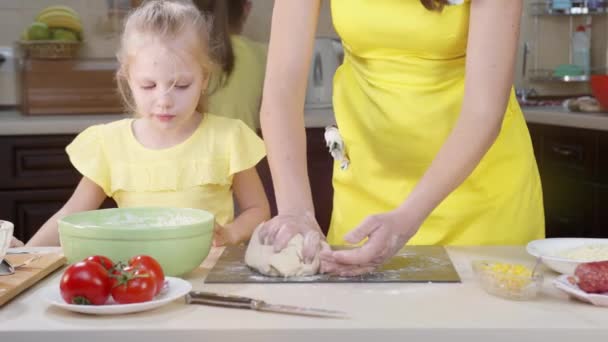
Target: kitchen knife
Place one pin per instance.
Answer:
(230, 301)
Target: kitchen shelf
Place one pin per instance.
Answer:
(544, 8)
(542, 11)
(546, 75)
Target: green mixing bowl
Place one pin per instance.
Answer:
(179, 238)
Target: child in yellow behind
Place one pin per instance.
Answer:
(172, 153)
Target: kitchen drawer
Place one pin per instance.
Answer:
(30, 209)
(569, 152)
(34, 162)
(568, 207)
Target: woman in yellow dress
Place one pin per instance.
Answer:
(439, 149)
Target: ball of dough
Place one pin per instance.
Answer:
(286, 263)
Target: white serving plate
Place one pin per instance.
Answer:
(563, 283)
(549, 251)
(176, 288)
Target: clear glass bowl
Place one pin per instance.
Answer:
(510, 281)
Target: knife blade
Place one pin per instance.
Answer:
(231, 301)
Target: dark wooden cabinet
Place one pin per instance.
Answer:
(602, 159)
(29, 209)
(37, 178)
(569, 153)
(568, 208)
(35, 162)
(320, 164)
(600, 228)
(536, 140)
(320, 172)
(574, 177)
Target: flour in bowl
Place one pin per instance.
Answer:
(155, 221)
(586, 253)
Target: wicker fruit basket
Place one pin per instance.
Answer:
(50, 49)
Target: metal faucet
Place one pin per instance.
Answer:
(523, 93)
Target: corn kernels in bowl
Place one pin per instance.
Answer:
(510, 281)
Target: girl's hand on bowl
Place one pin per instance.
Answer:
(224, 235)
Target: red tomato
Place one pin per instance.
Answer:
(133, 285)
(152, 266)
(102, 260)
(86, 283)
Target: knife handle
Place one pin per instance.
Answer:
(209, 298)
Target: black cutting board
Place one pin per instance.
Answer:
(411, 264)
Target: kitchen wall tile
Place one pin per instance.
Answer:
(11, 25)
(258, 25)
(35, 4)
(17, 14)
(549, 38)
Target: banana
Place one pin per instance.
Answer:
(59, 8)
(56, 19)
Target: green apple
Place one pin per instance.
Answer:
(64, 34)
(38, 31)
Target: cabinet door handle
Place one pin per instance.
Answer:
(562, 151)
(565, 151)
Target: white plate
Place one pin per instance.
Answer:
(176, 288)
(549, 250)
(565, 285)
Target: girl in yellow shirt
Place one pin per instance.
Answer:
(170, 154)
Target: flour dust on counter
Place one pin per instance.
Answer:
(418, 264)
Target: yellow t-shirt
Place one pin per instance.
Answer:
(241, 95)
(196, 173)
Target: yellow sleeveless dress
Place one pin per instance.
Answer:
(397, 97)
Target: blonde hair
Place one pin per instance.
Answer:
(167, 20)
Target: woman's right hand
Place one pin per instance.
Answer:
(281, 228)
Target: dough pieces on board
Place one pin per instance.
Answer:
(287, 263)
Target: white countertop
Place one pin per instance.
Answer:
(380, 312)
(559, 116)
(13, 123)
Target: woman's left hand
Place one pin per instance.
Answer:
(386, 234)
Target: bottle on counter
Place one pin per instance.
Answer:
(579, 7)
(581, 46)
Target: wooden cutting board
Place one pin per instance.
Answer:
(25, 277)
